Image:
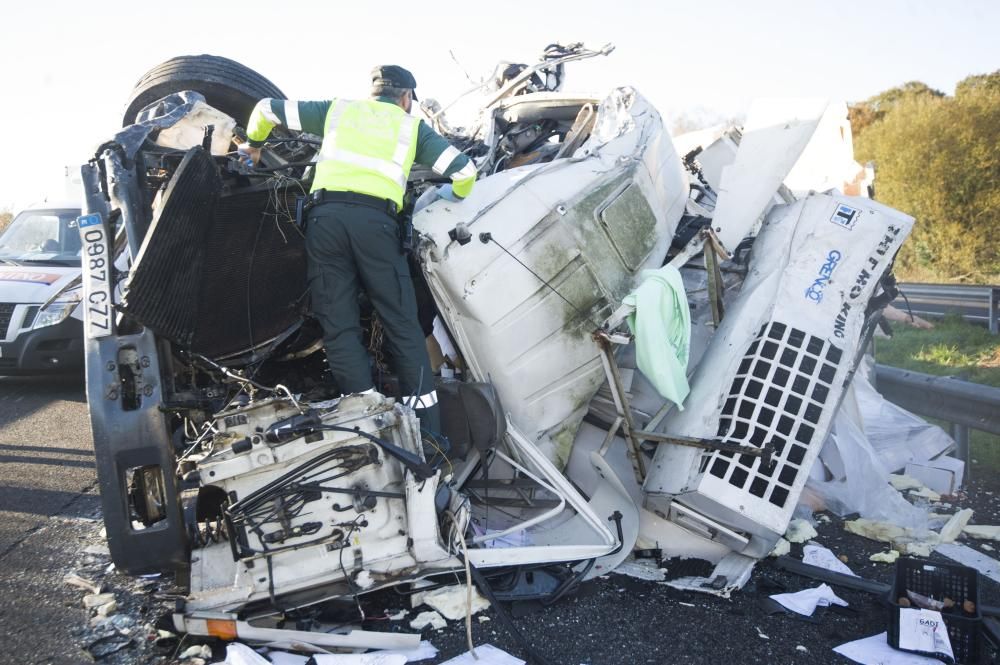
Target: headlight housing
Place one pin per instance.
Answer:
(55, 313)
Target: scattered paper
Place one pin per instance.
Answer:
(430, 618)
(241, 654)
(425, 651)
(885, 557)
(375, 658)
(285, 658)
(799, 531)
(875, 650)
(817, 555)
(923, 630)
(487, 655)
(806, 601)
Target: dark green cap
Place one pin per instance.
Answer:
(395, 76)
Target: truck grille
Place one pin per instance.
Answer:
(6, 313)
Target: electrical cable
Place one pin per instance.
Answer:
(468, 584)
(488, 237)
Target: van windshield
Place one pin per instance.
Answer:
(42, 237)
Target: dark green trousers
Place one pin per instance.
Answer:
(351, 247)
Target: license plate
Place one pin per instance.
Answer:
(98, 313)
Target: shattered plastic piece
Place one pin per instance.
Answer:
(729, 575)
(486, 654)
(451, 601)
(760, 634)
(982, 531)
(396, 616)
(951, 530)
(799, 531)
(817, 555)
(926, 603)
(801, 648)
(97, 599)
(967, 556)
(429, 618)
(806, 601)
(885, 557)
(205, 651)
(642, 569)
(781, 548)
(875, 650)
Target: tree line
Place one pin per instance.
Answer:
(937, 157)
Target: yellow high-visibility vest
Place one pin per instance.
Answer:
(368, 148)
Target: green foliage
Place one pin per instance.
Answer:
(953, 347)
(5, 219)
(937, 159)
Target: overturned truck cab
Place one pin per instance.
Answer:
(227, 455)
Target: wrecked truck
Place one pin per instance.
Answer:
(227, 455)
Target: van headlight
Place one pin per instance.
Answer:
(55, 313)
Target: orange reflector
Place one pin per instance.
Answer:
(224, 629)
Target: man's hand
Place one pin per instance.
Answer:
(249, 155)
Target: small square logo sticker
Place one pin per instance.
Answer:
(845, 216)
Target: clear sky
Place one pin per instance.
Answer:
(68, 67)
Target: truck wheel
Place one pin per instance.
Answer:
(226, 84)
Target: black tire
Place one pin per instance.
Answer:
(227, 85)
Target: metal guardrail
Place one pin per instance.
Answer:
(966, 405)
(977, 304)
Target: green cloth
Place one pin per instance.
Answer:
(661, 324)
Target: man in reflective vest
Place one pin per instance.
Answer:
(352, 237)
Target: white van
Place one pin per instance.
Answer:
(40, 319)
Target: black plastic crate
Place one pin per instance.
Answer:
(939, 581)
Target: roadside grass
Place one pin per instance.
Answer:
(952, 348)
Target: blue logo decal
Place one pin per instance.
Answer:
(815, 290)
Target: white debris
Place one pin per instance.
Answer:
(986, 547)
(107, 608)
(285, 658)
(93, 600)
(241, 654)
(487, 654)
(429, 618)
(799, 531)
(781, 548)
(199, 651)
(817, 555)
(982, 531)
(801, 648)
(806, 601)
(951, 530)
(885, 557)
(907, 541)
(903, 483)
(483, 619)
(761, 635)
(363, 580)
(79, 582)
(452, 601)
(926, 493)
(97, 550)
(875, 650)
(396, 616)
(376, 658)
(642, 569)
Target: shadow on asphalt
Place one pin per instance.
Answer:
(47, 449)
(47, 502)
(20, 396)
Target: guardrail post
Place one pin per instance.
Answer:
(994, 309)
(960, 433)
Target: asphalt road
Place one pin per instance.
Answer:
(49, 514)
(48, 505)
